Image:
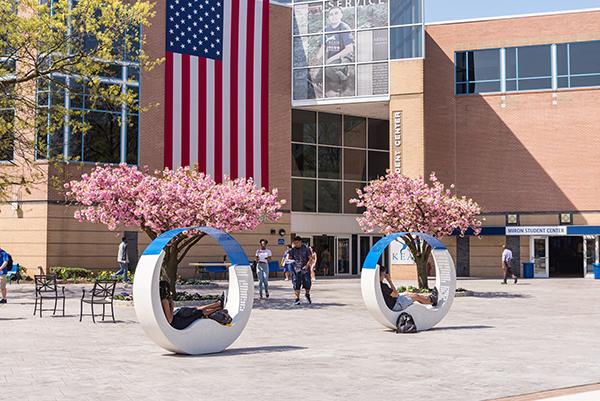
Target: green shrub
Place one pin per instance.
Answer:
(71, 273)
(108, 275)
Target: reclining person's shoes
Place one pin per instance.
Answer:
(434, 296)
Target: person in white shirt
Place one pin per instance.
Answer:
(123, 259)
(507, 258)
(263, 257)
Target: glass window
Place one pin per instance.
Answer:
(308, 83)
(406, 42)
(304, 160)
(585, 58)
(461, 67)
(355, 132)
(329, 162)
(372, 79)
(304, 195)
(563, 82)
(132, 139)
(307, 51)
(339, 81)
(379, 162)
(338, 163)
(583, 81)
(7, 119)
(102, 142)
(562, 59)
(308, 18)
(532, 84)
(484, 65)
(379, 134)
(372, 45)
(511, 63)
(483, 87)
(350, 193)
(534, 62)
(371, 14)
(355, 165)
(330, 197)
(330, 129)
(404, 12)
(304, 126)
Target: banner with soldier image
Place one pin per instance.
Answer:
(334, 40)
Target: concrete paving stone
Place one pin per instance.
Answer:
(506, 340)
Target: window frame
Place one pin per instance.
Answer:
(345, 209)
(554, 77)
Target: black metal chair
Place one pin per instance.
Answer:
(103, 294)
(46, 288)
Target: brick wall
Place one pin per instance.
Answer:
(521, 152)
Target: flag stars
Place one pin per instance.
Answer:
(194, 27)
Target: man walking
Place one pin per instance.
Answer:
(263, 257)
(507, 258)
(5, 266)
(123, 259)
(301, 270)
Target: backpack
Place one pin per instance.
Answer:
(9, 265)
(405, 324)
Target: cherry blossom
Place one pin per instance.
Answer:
(397, 203)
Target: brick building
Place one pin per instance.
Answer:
(504, 108)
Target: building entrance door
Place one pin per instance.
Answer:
(324, 248)
(342, 256)
(365, 243)
(591, 252)
(538, 247)
(566, 256)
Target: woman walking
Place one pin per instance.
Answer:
(263, 257)
(312, 263)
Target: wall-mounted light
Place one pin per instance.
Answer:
(282, 232)
(566, 218)
(512, 219)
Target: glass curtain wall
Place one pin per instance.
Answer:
(341, 48)
(332, 156)
(112, 129)
(525, 68)
(7, 109)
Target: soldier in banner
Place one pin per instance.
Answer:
(337, 49)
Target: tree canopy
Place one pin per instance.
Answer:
(61, 48)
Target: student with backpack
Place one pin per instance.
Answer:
(6, 264)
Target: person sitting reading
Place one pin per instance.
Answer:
(182, 317)
(399, 302)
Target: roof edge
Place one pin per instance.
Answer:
(542, 14)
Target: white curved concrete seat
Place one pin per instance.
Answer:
(204, 336)
(425, 316)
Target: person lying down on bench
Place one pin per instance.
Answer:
(182, 317)
(399, 302)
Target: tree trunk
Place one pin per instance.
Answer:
(170, 266)
(421, 261)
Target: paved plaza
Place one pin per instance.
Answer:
(505, 340)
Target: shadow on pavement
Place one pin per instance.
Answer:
(288, 304)
(498, 294)
(243, 351)
(11, 318)
(473, 327)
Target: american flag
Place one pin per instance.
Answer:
(216, 107)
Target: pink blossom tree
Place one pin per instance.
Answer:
(396, 203)
(164, 200)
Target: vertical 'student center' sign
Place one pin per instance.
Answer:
(397, 148)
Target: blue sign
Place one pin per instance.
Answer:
(280, 241)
